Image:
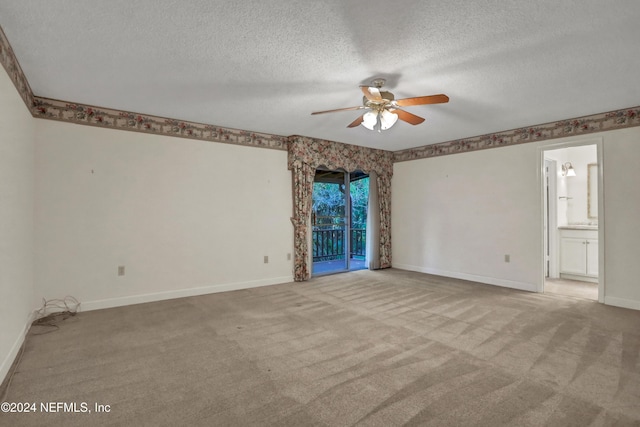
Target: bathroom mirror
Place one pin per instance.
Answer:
(592, 190)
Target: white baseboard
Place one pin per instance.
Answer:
(580, 278)
(15, 349)
(522, 286)
(622, 302)
(180, 293)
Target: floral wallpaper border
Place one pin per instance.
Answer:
(10, 63)
(116, 119)
(123, 120)
(602, 122)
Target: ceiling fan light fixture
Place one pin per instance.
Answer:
(383, 109)
(370, 119)
(387, 119)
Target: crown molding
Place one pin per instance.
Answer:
(602, 122)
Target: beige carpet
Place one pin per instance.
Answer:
(365, 348)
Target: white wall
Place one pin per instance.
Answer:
(183, 216)
(16, 221)
(459, 215)
(622, 217)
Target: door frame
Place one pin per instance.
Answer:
(550, 222)
(568, 143)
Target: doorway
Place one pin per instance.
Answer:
(571, 233)
(339, 221)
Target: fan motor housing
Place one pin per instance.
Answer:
(386, 96)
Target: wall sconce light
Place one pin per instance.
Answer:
(567, 169)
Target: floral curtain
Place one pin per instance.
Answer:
(335, 155)
(373, 223)
(384, 199)
(303, 175)
(305, 155)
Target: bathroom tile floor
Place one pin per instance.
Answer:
(572, 288)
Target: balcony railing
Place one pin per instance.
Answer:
(358, 242)
(328, 244)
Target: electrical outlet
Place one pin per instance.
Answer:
(121, 270)
(266, 259)
(507, 258)
(289, 257)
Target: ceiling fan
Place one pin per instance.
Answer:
(383, 109)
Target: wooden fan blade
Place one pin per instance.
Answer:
(339, 109)
(421, 100)
(408, 117)
(372, 93)
(356, 122)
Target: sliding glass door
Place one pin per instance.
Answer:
(338, 221)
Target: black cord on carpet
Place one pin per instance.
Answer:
(70, 307)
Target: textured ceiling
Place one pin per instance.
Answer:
(264, 66)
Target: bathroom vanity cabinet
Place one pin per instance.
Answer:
(579, 253)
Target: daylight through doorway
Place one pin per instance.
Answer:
(339, 221)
